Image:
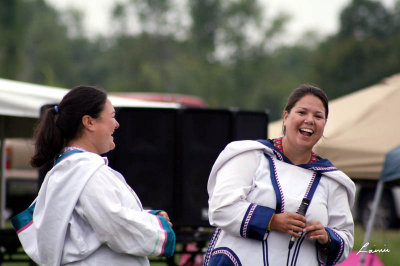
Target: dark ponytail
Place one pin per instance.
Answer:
(63, 123)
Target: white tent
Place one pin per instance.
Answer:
(362, 127)
(20, 104)
(23, 99)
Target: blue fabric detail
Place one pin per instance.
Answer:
(255, 222)
(314, 186)
(268, 144)
(169, 247)
(246, 221)
(276, 151)
(265, 251)
(23, 218)
(224, 257)
(63, 156)
(336, 247)
(278, 208)
(322, 165)
(211, 245)
(296, 252)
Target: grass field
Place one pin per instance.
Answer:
(380, 239)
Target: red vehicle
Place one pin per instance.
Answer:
(186, 100)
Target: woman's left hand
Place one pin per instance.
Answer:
(316, 230)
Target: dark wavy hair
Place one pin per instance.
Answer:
(62, 123)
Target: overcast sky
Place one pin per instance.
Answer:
(321, 16)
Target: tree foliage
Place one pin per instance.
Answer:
(364, 19)
(362, 52)
(222, 51)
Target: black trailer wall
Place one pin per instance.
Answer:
(166, 154)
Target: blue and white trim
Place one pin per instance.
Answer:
(246, 220)
(335, 249)
(280, 200)
(24, 219)
(322, 165)
(224, 256)
(211, 246)
(265, 250)
(255, 222)
(312, 187)
(297, 249)
(168, 245)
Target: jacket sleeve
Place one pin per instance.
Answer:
(340, 227)
(229, 207)
(122, 224)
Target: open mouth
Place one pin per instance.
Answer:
(306, 131)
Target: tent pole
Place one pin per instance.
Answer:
(2, 176)
(371, 220)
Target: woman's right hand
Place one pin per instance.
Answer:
(165, 215)
(288, 222)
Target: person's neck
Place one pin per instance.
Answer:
(296, 156)
(82, 145)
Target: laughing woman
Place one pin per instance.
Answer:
(85, 212)
(275, 202)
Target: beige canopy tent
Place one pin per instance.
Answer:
(362, 127)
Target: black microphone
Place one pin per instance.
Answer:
(302, 211)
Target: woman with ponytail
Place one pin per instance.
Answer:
(85, 213)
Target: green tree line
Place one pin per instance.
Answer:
(222, 51)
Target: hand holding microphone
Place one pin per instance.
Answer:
(302, 211)
(288, 222)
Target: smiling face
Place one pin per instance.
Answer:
(305, 123)
(105, 125)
